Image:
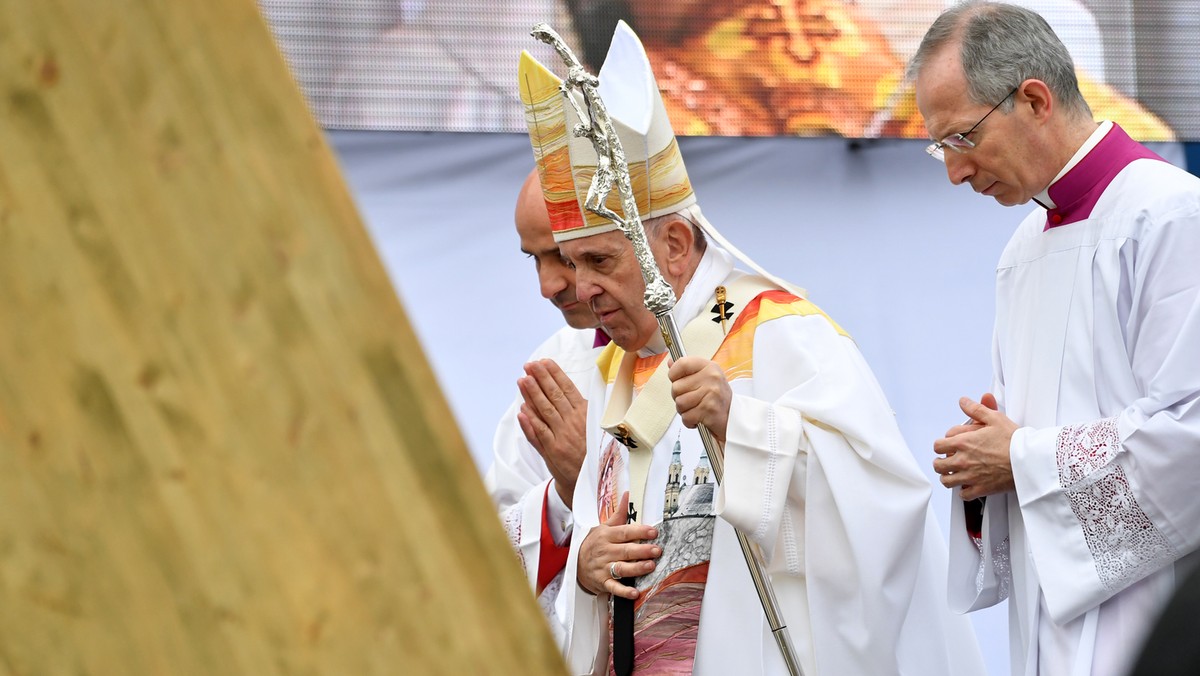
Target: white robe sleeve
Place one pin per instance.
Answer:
(517, 482)
(817, 473)
(518, 478)
(980, 570)
(1107, 502)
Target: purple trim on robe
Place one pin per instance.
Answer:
(1077, 192)
(601, 339)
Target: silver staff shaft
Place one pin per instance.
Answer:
(612, 168)
(750, 550)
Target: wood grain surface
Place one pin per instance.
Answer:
(222, 450)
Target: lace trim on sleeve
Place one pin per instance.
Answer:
(512, 525)
(1001, 567)
(1125, 544)
(546, 601)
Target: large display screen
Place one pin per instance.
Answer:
(725, 67)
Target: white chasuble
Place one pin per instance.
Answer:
(816, 474)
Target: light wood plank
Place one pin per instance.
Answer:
(221, 448)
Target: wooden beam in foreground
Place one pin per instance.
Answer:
(221, 448)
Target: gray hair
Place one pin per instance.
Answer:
(652, 226)
(1001, 46)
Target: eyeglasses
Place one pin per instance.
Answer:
(959, 143)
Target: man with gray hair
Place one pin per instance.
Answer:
(1074, 479)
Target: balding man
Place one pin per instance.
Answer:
(539, 443)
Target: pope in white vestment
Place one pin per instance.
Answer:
(816, 472)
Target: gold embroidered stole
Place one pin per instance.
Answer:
(640, 423)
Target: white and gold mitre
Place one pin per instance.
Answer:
(656, 170)
(566, 162)
(543, 98)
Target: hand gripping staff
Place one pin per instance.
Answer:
(611, 168)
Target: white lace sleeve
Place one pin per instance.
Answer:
(1123, 540)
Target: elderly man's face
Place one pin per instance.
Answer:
(609, 281)
(1003, 164)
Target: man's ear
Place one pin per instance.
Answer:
(679, 245)
(1036, 95)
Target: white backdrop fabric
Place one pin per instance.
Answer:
(873, 230)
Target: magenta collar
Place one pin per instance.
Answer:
(601, 339)
(1077, 192)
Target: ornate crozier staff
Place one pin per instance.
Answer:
(611, 168)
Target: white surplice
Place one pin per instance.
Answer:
(518, 478)
(1097, 358)
(817, 474)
